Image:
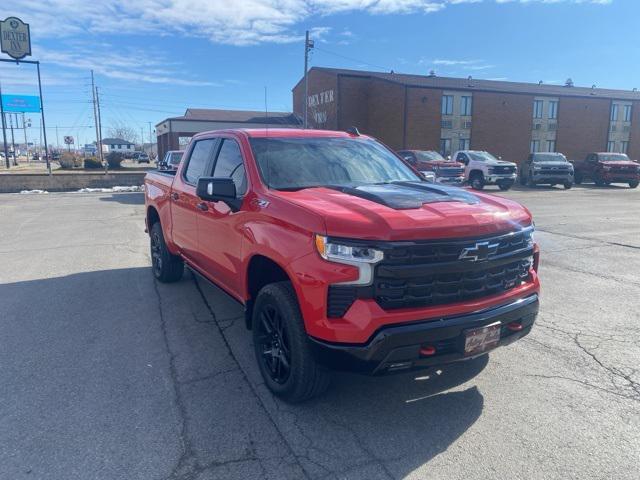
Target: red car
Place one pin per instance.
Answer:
(445, 171)
(607, 168)
(342, 256)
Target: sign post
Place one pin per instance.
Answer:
(69, 141)
(4, 131)
(15, 41)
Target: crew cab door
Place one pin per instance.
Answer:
(184, 201)
(220, 228)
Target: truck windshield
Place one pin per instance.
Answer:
(549, 157)
(296, 163)
(482, 157)
(429, 156)
(614, 157)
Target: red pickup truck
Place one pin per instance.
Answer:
(342, 255)
(607, 168)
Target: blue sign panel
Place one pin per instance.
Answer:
(21, 103)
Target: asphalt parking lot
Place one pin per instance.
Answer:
(107, 375)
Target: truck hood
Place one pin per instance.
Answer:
(409, 211)
(628, 163)
(500, 163)
(443, 163)
(552, 164)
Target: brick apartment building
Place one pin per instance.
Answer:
(446, 114)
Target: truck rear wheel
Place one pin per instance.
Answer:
(634, 184)
(282, 348)
(166, 267)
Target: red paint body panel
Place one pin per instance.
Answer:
(220, 243)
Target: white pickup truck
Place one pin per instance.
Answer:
(482, 168)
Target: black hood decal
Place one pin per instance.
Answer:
(409, 195)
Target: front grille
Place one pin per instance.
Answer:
(623, 170)
(417, 274)
(503, 169)
(553, 171)
(451, 171)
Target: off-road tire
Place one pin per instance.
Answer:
(477, 181)
(166, 267)
(306, 378)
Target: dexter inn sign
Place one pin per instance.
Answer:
(318, 103)
(15, 39)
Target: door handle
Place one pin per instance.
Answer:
(202, 206)
(174, 196)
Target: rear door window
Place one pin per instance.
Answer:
(199, 160)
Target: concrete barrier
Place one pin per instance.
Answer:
(65, 182)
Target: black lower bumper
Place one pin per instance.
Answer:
(398, 348)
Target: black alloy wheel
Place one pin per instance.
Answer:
(274, 344)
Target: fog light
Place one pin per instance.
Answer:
(515, 326)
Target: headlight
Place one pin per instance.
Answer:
(529, 236)
(537, 167)
(359, 256)
(606, 168)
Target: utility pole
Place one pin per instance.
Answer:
(13, 143)
(95, 118)
(308, 45)
(150, 141)
(106, 166)
(142, 139)
(4, 132)
(57, 138)
(24, 128)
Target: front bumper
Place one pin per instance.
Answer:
(496, 179)
(552, 177)
(397, 348)
(450, 180)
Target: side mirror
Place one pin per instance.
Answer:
(218, 189)
(429, 176)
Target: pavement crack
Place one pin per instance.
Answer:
(246, 379)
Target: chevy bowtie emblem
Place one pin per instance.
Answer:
(479, 252)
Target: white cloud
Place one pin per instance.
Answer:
(239, 22)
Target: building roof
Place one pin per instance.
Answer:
(115, 141)
(488, 85)
(239, 116)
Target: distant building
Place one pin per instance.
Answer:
(117, 145)
(446, 114)
(175, 132)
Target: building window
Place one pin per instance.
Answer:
(447, 105)
(537, 108)
(627, 113)
(535, 146)
(551, 145)
(463, 144)
(611, 146)
(553, 109)
(614, 112)
(465, 105)
(446, 124)
(624, 147)
(445, 146)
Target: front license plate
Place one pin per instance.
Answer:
(478, 340)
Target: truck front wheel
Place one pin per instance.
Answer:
(166, 267)
(634, 184)
(477, 181)
(282, 348)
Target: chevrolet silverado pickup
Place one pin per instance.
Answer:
(608, 168)
(342, 256)
(547, 168)
(445, 171)
(482, 168)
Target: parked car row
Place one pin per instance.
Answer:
(478, 168)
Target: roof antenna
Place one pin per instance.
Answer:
(353, 131)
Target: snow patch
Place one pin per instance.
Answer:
(112, 189)
(32, 192)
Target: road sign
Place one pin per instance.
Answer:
(15, 38)
(68, 140)
(21, 103)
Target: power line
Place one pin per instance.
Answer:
(354, 59)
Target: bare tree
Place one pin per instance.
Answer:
(123, 131)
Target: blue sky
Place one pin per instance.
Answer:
(154, 58)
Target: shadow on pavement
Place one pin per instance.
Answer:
(109, 375)
(136, 198)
